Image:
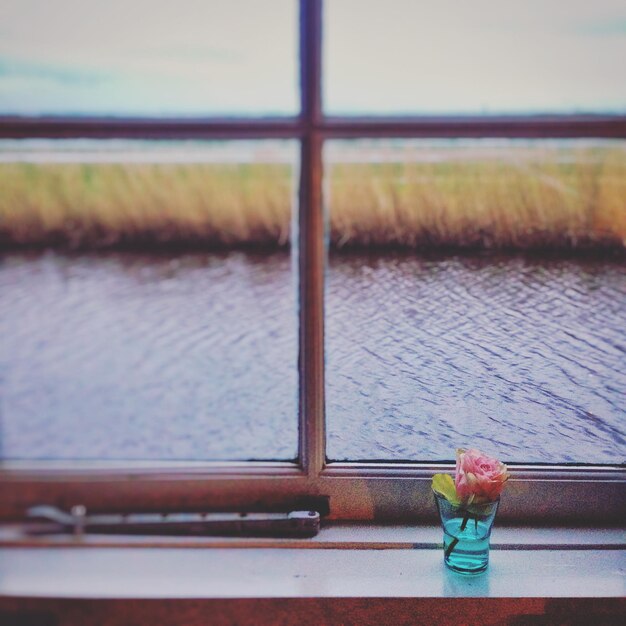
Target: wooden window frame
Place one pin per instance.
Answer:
(388, 491)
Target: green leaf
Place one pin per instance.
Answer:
(444, 485)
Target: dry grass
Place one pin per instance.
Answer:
(537, 200)
(488, 203)
(104, 205)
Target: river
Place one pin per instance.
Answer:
(131, 356)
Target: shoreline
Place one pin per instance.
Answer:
(594, 253)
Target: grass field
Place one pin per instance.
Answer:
(530, 199)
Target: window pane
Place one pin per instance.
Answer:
(476, 297)
(486, 56)
(148, 57)
(160, 322)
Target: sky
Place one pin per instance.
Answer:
(239, 57)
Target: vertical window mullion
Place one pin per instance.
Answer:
(311, 244)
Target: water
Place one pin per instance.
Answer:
(471, 552)
(130, 356)
(521, 357)
(194, 357)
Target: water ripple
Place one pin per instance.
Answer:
(193, 357)
(148, 357)
(523, 356)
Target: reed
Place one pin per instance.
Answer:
(107, 205)
(517, 204)
(541, 200)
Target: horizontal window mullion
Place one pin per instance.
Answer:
(400, 470)
(149, 128)
(526, 126)
(403, 497)
(137, 470)
(540, 501)
(529, 126)
(167, 491)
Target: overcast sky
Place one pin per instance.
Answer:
(194, 57)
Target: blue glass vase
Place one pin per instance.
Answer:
(466, 534)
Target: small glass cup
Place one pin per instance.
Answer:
(466, 533)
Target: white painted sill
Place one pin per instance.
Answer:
(344, 560)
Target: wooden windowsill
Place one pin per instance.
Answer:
(349, 574)
(349, 560)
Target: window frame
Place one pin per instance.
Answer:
(386, 491)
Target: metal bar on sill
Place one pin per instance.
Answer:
(50, 520)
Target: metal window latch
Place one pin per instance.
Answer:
(51, 520)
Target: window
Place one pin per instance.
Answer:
(161, 60)
(473, 59)
(515, 352)
(396, 487)
(107, 355)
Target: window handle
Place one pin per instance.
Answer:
(51, 520)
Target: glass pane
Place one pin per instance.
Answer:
(148, 57)
(147, 301)
(476, 297)
(486, 56)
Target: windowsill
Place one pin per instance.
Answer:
(344, 560)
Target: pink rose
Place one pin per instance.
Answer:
(479, 478)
